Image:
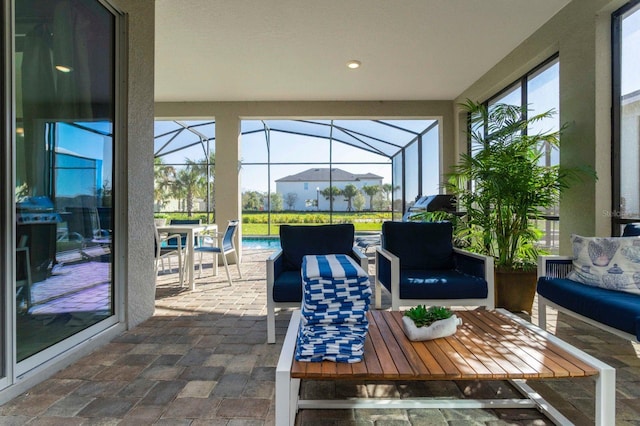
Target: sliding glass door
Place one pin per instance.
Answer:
(64, 73)
(626, 116)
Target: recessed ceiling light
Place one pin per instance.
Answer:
(64, 68)
(354, 64)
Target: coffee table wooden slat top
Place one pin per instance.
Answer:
(418, 362)
(545, 353)
(487, 345)
(519, 358)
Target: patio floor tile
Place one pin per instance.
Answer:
(202, 359)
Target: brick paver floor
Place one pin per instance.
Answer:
(202, 359)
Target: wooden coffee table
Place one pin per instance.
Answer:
(489, 345)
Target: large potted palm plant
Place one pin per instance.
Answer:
(503, 187)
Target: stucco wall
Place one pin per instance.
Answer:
(136, 212)
(580, 33)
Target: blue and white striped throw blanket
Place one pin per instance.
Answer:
(336, 298)
(332, 267)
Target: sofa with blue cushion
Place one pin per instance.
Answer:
(418, 264)
(284, 280)
(609, 306)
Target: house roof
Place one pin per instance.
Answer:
(322, 175)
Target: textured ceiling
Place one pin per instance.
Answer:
(251, 50)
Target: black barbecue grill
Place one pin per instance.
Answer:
(36, 229)
(432, 203)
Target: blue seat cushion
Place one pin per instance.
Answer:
(298, 241)
(287, 287)
(420, 245)
(440, 284)
(620, 310)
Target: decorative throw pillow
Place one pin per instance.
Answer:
(608, 262)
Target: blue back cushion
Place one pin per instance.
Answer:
(184, 222)
(299, 241)
(420, 245)
(172, 241)
(631, 230)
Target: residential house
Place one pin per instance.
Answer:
(303, 191)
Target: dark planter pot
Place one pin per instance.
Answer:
(515, 290)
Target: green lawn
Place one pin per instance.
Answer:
(256, 223)
(261, 228)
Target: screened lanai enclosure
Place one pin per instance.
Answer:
(301, 171)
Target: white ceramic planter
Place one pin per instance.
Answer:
(441, 328)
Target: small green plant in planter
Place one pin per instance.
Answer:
(424, 317)
(422, 323)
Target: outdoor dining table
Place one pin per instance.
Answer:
(192, 231)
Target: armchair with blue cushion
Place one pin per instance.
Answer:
(418, 264)
(284, 280)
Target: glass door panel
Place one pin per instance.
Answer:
(628, 99)
(64, 68)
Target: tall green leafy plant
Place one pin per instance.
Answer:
(503, 185)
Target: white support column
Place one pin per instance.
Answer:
(227, 173)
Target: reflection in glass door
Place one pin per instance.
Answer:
(64, 73)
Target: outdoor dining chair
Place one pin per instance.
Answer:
(226, 247)
(164, 252)
(183, 238)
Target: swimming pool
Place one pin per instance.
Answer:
(261, 243)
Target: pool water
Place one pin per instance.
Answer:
(260, 243)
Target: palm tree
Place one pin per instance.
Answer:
(371, 191)
(190, 183)
(331, 192)
(206, 167)
(388, 188)
(349, 192)
(164, 178)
